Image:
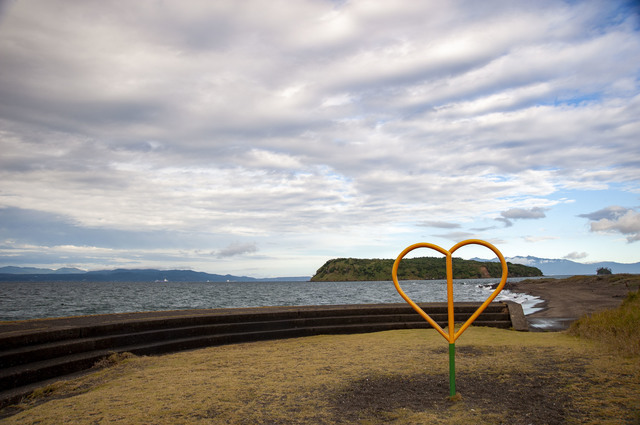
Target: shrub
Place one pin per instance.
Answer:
(617, 328)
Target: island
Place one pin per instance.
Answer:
(357, 269)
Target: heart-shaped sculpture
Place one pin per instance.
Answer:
(452, 336)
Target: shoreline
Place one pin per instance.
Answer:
(562, 301)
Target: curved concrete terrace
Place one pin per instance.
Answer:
(35, 353)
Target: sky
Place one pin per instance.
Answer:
(264, 138)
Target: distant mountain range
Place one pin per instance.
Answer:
(35, 270)
(11, 273)
(548, 266)
(551, 267)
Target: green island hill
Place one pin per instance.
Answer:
(356, 269)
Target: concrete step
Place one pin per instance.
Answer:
(25, 374)
(37, 352)
(53, 330)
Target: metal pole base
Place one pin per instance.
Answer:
(452, 371)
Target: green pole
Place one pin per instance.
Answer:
(452, 370)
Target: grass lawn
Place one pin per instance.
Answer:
(398, 377)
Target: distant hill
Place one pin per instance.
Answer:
(125, 275)
(151, 275)
(552, 267)
(355, 269)
(35, 270)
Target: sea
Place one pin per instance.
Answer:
(39, 300)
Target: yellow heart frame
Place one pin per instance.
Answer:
(452, 336)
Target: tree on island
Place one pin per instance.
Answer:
(603, 270)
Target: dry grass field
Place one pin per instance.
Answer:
(398, 377)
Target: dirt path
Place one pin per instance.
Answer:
(577, 296)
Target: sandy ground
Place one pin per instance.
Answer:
(568, 299)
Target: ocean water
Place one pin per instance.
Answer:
(36, 300)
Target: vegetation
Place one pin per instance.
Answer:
(617, 328)
(398, 377)
(354, 269)
(603, 270)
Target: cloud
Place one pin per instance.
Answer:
(609, 213)
(482, 229)
(616, 219)
(439, 224)
(539, 238)
(576, 256)
(202, 124)
(4, 6)
(518, 213)
(238, 249)
(521, 213)
(456, 236)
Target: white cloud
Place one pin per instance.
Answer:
(439, 224)
(337, 100)
(521, 213)
(531, 213)
(242, 121)
(238, 249)
(616, 219)
(576, 255)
